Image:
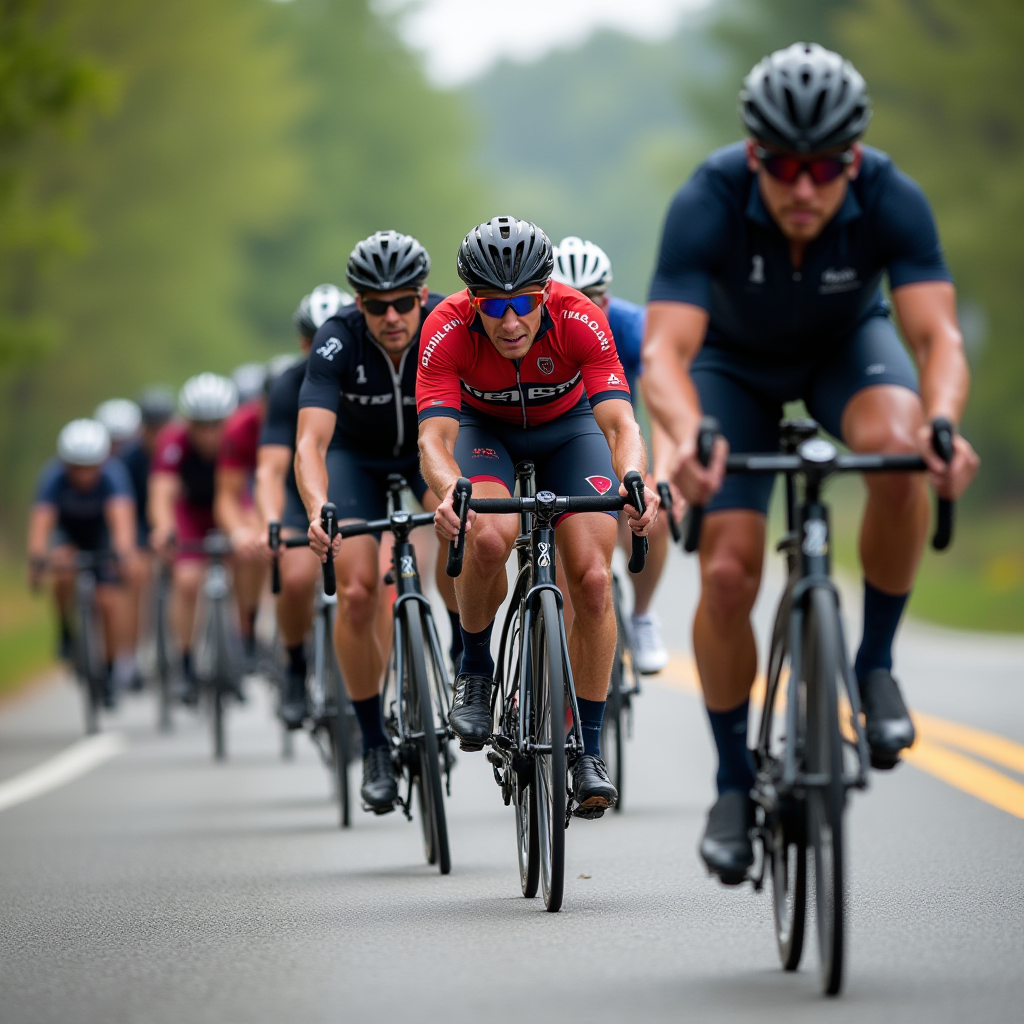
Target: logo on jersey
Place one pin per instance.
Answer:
(612, 379)
(485, 453)
(874, 369)
(436, 338)
(835, 281)
(545, 364)
(601, 484)
(329, 349)
(757, 270)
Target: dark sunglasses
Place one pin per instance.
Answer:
(378, 307)
(521, 304)
(787, 169)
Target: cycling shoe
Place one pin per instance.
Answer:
(592, 789)
(470, 718)
(293, 708)
(726, 847)
(380, 787)
(888, 726)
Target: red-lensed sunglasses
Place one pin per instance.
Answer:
(787, 169)
(522, 304)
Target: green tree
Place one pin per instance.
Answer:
(947, 81)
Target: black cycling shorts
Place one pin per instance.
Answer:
(358, 486)
(107, 571)
(570, 453)
(746, 397)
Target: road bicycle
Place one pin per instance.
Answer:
(532, 746)
(811, 748)
(623, 687)
(331, 721)
(162, 645)
(417, 689)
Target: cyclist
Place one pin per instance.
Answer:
(586, 267)
(84, 503)
(767, 289)
(517, 366)
(181, 489)
(360, 391)
(121, 417)
(278, 500)
(155, 408)
(233, 508)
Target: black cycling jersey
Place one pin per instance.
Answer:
(722, 251)
(82, 515)
(350, 374)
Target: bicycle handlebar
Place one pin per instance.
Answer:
(572, 503)
(329, 522)
(942, 441)
(665, 493)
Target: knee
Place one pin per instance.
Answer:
(358, 599)
(729, 585)
(487, 547)
(592, 592)
(187, 578)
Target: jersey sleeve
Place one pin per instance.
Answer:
(48, 484)
(116, 481)
(695, 227)
(168, 451)
(326, 367)
(238, 442)
(910, 239)
(589, 341)
(438, 373)
(282, 409)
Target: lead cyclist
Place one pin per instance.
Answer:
(768, 289)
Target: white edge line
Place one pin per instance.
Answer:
(69, 764)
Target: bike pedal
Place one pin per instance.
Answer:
(470, 747)
(495, 758)
(378, 810)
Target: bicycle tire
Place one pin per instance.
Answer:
(613, 739)
(163, 657)
(825, 802)
(422, 722)
(88, 659)
(220, 680)
(547, 680)
(341, 740)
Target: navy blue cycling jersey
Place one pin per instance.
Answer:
(81, 515)
(626, 320)
(135, 459)
(349, 373)
(721, 250)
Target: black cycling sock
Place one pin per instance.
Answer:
(371, 724)
(297, 660)
(476, 652)
(455, 650)
(591, 717)
(735, 765)
(65, 632)
(882, 614)
(186, 664)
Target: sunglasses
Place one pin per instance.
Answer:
(787, 169)
(521, 304)
(378, 307)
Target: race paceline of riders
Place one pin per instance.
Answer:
(767, 289)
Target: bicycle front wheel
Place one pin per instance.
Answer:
(613, 738)
(547, 679)
(422, 723)
(825, 801)
(163, 655)
(341, 739)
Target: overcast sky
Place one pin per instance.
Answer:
(464, 38)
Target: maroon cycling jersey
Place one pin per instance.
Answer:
(574, 351)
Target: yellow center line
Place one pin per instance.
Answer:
(931, 752)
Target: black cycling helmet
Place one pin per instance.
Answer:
(385, 261)
(506, 254)
(805, 99)
(157, 404)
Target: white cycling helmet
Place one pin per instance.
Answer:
(581, 265)
(250, 380)
(207, 397)
(279, 364)
(316, 308)
(121, 417)
(83, 443)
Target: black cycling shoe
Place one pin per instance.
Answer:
(471, 710)
(726, 847)
(293, 708)
(888, 726)
(591, 788)
(380, 787)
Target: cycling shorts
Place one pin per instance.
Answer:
(570, 453)
(747, 396)
(191, 525)
(358, 486)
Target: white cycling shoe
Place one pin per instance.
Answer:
(649, 653)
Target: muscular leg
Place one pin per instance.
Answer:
(186, 579)
(355, 639)
(249, 575)
(300, 572)
(645, 583)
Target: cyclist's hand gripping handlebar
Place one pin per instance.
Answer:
(274, 542)
(329, 523)
(665, 493)
(942, 442)
(635, 496)
(706, 434)
(460, 503)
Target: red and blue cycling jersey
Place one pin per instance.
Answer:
(573, 353)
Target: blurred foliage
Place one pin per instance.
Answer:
(251, 145)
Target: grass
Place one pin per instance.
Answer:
(26, 629)
(978, 583)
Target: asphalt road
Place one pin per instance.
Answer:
(160, 887)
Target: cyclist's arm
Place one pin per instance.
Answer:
(272, 463)
(440, 470)
(42, 519)
(230, 485)
(164, 489)
(621, 431)
(927, 315)
(316, 428)
(120, 516)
